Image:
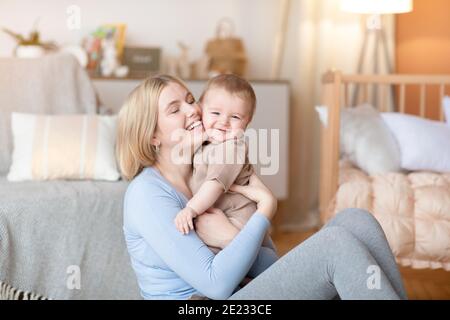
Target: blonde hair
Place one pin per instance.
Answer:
(233, 84)
(137, 123)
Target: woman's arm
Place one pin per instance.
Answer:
(267, 256)
(266, 201)
(211, 226)
(151, 211)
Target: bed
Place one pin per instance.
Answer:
(412, 207)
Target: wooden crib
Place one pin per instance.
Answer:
(386, 93)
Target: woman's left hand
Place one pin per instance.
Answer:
(214, 228)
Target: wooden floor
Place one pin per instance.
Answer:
(420, 284)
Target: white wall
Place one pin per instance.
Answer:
(151, 23)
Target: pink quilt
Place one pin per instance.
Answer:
(412, 208)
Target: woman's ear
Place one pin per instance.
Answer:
(155, 142)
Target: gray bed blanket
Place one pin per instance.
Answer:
(50, 230)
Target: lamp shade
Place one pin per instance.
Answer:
(376, 6)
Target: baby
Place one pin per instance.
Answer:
(228, 104)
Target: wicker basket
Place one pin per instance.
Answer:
(226, 53)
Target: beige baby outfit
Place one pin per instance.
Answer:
(226, 162)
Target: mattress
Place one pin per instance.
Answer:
(413, 209)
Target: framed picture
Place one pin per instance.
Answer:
(142, 61)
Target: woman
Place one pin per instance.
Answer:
(349, 258)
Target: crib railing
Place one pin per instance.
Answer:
(382, 88)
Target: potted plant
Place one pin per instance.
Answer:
(31, 46)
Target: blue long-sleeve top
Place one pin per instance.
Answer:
(169, 265)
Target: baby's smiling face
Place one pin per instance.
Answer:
(224, 115)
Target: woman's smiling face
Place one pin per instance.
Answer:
(179, 118)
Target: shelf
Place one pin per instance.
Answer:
(134, 78)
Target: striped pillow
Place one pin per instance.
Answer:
(63, 147)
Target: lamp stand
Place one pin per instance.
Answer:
(375, 29)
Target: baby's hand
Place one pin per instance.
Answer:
(184, 220)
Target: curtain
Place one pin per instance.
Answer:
(319, 37)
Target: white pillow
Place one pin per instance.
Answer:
(63, 147)
(446, 105)
(365, 140)
(424, 144)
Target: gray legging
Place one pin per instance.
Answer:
(349, 258)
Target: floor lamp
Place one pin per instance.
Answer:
(374, 29)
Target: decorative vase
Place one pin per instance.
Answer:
(29, 51)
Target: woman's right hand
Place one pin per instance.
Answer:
(258, 192)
